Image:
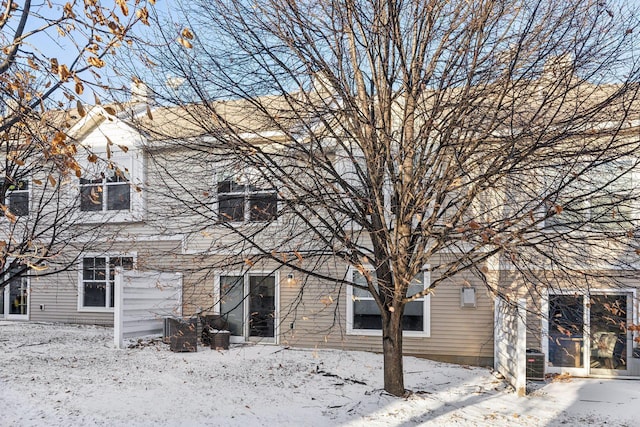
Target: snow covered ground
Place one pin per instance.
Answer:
(61, 375)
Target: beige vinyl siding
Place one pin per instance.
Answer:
(58, 293)
(456, 334)
(534, 325)
(59, 296)
(198, 289)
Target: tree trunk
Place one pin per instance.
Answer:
(392, 352)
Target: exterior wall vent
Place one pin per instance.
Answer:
(468, 297)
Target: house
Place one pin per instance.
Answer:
(149, 203)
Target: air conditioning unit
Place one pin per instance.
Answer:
(535, 365)
(180, 334)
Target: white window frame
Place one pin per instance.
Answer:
(245, 303)
(351, 298)
(132, 167)
(108, 256)
(19, 191)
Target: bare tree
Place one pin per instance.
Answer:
(411, 136)
(51, 53)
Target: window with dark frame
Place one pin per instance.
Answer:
(249, 300)
(118, 193)
(16, 196)
(18, 288)
(241, 202)
(110, 193)
(91, 194)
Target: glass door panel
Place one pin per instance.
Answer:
(566, 331)
(262, 306)
(18, 296)
(608, 331)
(232, 303)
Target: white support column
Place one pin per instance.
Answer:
(118, 310)
(521, 349)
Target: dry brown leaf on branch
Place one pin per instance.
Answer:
(59, 138)
(68, 10)
(79, 87)
(326, 300)
(187, 34)
(96, 62)
(123, 7)
(184, 42)
(63, 72)
(143, 15)
(10, 216)
(32, 64)
(80, 108)
(54, 65)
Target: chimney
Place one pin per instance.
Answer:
(140, 93)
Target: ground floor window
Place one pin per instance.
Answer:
(97, 280)
(363, 314)
(249, 302)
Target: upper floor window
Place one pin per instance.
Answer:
(110, 191)
(600, 198)
(363, 314)
(16, 196)
(245, 202)
(98, 280)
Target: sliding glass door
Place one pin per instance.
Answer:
(14, 299)
(249, 304)
(589, 335)
(566, 331)
(609, 316)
